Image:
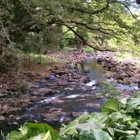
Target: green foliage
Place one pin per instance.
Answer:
(41, 26)
(116, 122)
(21, 86)
(47, 59)
(119, 120)
(109, 90)
(33, 131)
(11, 58)
(124, 56)
(89, 49)
(137, 95)
(83, 128)
(110, 107)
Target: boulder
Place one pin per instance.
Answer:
(92, 105)
(43, 92)
(76, 114)
(62, 83)
(54, 114)
(3, 109)
(2, 118)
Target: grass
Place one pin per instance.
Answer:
(88, 49)
(47, 59)
(122, 57)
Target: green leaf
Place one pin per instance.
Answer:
(94, 134)
(110, 106)
(110, 131)
(131, 137)
(41, 128)
(69, 129)
(118, 116)
(83, 118)
(138, 135)
(47, 136)
(33, 131)
(133, 103)
(137, 95)
(123, 101)
(99, 117)
(23, 130)
(14, 135)
(38, 137)
(88, 126)
(124, 132)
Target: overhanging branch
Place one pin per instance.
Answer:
(84, 41)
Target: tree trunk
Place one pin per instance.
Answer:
(79, 44)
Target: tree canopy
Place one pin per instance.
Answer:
(42, 25)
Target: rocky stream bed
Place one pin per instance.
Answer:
(64, 94)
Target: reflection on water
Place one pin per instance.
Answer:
(122, 86)
(91, 69)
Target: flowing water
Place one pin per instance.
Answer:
(70, 101)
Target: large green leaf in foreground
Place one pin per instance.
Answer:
(94, 134)
(83, 128)
(133, 104)
(34, 131)
(110, 107)
(92, 131)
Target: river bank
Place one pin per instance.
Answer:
(45, 84)
(17, 89)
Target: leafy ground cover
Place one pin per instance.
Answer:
(119, 120)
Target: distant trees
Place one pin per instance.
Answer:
(42, 25)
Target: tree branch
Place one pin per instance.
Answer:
(84, 41)
(70, 9)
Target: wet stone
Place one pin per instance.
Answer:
(62, 83)
(53, 114)
(77, 114)
(57, 101)
(92, 105)
(43, 92)
(2, 118)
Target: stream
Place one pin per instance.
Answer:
(68, 103)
